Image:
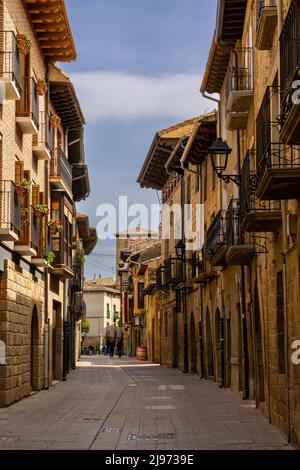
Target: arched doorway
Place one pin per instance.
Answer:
(260, 379)
(34, 347)
(209, 347)
(219, 337)
(193, 347)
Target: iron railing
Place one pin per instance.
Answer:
(240, 74)
(278, 155)
(233, 223)
(264, 4)
(60, 167)
(29, 104)
(10, 207)
(159, 278)
(44, 137)
(10, 58)
(216, 235)
(249, 202)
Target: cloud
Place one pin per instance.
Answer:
(124, 97)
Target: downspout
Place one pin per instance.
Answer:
(46, 271)
(184, 300)
(284, 253)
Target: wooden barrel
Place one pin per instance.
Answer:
(141, 353)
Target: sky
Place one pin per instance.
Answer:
(139, 70)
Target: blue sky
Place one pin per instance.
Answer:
(138, 70)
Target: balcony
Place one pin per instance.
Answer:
(206, 273)
(170, 274)
(77, 281)
(60, 172)
(10, 212)
(62, 265)
(42, 142)
(27, 112)
(239, 88)
(216, 243)
(159, 278)
(241, 246)
(257, 216)
(150, 282)
(290, 72)
(266, 14)
(28, 244)
(10, 67)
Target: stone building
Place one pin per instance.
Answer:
(102, 310)
(42, 175)
(245, 308)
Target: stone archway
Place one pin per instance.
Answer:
(34, 350)
(209, 347)
(193, 346)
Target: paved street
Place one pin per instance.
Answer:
(122, 404)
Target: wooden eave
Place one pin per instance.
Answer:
(50, 23)
(204, 136)
(81, 183)
(216, 67)
(83, 225)
(90, 244)
(66, 104)
(230, 20)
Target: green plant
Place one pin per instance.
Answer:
(85, 326)
(26, 184)
(55, 226)
(81, 257)
(42, 208)
(50, 257)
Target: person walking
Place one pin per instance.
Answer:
(119, 335)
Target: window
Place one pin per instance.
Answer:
(141, 304)
(280, 324)
(107, 311)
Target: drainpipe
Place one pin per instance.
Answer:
(184, 299)
(46, 272)
(284, 253)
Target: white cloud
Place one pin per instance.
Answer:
(125, 97)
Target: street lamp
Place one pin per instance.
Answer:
(219, 154)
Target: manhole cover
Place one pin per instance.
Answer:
(111, 430)
(152, 437)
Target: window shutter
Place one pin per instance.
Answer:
(35, 195)
(42, 198)
(19, 172)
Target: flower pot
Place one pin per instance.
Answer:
(40, 88)
(55, 120)
(39, 214)
(23, 44)
(21, 190)
(53, 230)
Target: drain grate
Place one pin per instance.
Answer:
(152, 437)
(111, 430)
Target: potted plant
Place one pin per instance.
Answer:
(41, 87)
(41, 210)
(55, 120)
(24, 43)
(55, 226)
(24, 187)
(50, 257)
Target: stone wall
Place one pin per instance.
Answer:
(21, 303)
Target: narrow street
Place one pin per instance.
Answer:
(122, 404)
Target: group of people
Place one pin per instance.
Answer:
(114, 340)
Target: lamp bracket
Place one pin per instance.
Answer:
(236, 179)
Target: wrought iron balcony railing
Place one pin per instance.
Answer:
(10, 60)
(216, 235)
(240, 75)
(28, 107)
(61, 168)
(44, 137)
(10, 211)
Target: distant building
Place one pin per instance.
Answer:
(102, 310)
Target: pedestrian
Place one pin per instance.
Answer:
(119, 347)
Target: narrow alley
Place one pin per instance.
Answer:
(122, 404)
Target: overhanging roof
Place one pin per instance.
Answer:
(64, 99)
(216, 67)
(81, 183)
(153, 174)
(50, 23)
(87, 234)
(203, 136)
(230, 20)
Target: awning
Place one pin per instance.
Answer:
(49, 20)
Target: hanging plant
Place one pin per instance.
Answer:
(55, 120)
(41, 87)
(24, 187)
(55, 226)
(24, 43)
(41, 210)
(50, 257)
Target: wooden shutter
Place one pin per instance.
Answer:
(42, 198)
(19, 172)
(35, 195)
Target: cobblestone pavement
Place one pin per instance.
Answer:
(122, 404)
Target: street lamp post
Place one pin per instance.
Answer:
(219, 154)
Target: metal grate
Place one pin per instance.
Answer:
(111, 430)
(152, 437)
